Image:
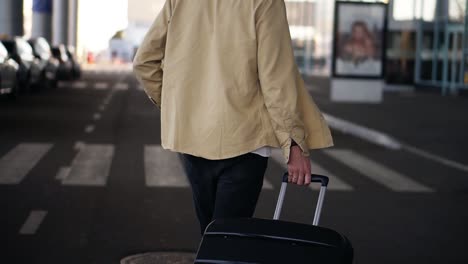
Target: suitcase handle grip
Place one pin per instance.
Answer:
(318, 209)
(314, 178)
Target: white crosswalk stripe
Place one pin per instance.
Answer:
(121, 86)
(97, 116)
(101, 86)
(91, 166)
(33, 222)
(79, 85)
(89, 128)
(267, 185)
(17, 163)
(377, 172)
(163, 168)
(62, 173)
(335, 183)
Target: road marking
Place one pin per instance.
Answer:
(89, 128)
(121, 86)
(79, 85)
(33, 222)
(387, 141)
(102, 107)
(334, 184)
(5, 90)
(377, 172)
(97, 116)
(362, 132)
(62, 173)
(101, 86)
(62, 84)
(267, 185)
(109, 97)
(17, 163)
(91, 166)
(78, 145)
(163, 168)
(436, 158)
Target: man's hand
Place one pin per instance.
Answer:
(298, 167)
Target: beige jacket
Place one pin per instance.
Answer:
(224, 76)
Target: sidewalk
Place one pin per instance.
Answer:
(428, 121)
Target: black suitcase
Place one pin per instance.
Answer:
(254, 240)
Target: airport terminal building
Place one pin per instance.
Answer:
(422, 41)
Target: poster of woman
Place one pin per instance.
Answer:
(359, 39)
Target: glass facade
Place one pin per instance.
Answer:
(311, 23)
(311, 27)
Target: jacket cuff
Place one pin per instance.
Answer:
(301, 142)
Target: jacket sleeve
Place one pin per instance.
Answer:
(147, 64)
(277, 72)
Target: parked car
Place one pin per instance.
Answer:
(29, 73)
(65, 70)
(48, 64)
(8, 71)
(76, 72)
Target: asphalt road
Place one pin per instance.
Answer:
(83, 179)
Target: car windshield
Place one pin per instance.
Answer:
(24, 47)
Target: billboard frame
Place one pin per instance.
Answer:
(335, 43)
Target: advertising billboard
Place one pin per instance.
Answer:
(359, 40)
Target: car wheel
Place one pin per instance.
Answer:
(14, 92)
(25, 86)
(51, 84)
(40, 84)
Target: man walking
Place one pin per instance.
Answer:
(224, 76)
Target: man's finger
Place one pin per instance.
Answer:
(307, 179)
(295, 176)
(290, 174)
(300, 179)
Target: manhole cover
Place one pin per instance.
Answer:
(160, 258)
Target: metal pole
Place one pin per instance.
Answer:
(463, 47)
(445, 57)
(42, 19)
(419, 40)
(72, 22)
(435, 44)
(453, 81)
(60, 22)
(11, 17)
(308, 42)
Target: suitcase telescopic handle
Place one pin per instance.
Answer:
(314, 178)
(323, 180)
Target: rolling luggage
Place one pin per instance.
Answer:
(254, 240)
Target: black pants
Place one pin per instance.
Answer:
(224, 188)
